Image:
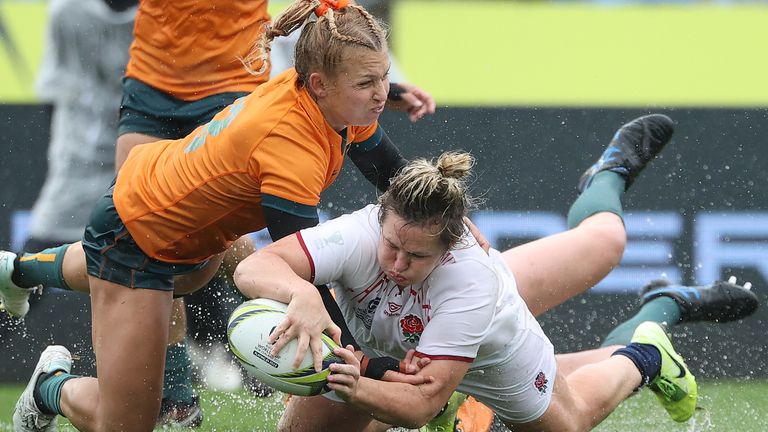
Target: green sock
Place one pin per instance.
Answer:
(603, 195)
(177, 381)
(47, 393)
(42, 268)
(660, 309)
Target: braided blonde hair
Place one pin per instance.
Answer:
(323, 43)
(424, 192)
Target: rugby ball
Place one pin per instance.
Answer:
(249, 328)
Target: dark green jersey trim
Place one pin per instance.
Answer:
(288, 206)
(371, 142)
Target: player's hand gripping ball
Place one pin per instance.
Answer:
(248, 331)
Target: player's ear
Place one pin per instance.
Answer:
(318, 84)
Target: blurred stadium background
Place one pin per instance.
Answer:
(534, 89)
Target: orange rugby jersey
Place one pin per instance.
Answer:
(190, 48)
(186, 200)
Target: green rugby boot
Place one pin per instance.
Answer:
(675, 385)
(445, 420)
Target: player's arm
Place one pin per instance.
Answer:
(281, 223)
(377, 158)
(411, 99)
(398, 404)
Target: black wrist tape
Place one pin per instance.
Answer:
(376, 367)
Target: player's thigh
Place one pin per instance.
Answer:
(190, 282)
(553, 269)
(317, 414)
(559, 415)
(126, 142)
(130, 332)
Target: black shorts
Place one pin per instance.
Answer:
(149, 111)
(111, 253)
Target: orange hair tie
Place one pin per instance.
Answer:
(333, 4)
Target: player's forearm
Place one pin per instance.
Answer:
(264, 274)
(398, 404)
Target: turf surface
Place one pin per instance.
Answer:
(724, 406)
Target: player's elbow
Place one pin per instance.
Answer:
(419, 418)
(244, 276)
(422, 413)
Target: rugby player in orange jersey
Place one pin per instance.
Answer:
(176, 206)
(184, 68)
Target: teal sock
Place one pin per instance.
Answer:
(47, 393)
(603, 195)
(42, 268)
(660, 309)
(177, 381)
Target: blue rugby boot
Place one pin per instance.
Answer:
(632, 147)
(717, 302)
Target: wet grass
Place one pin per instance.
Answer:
(740, 406)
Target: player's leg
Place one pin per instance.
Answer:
(180, 405)
(126, 143)
(650, 359)
(20, 274)
(664, 302)
(130, 357)
(554, 269)
(318, 413)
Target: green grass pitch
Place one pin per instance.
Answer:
(740, 406)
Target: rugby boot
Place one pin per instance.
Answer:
(27, 416)
(718, 302)
(675, 387)
(632, 147)
(14, 299)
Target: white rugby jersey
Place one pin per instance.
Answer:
(467, 309)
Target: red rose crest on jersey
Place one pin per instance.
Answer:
(541, 383)
(412, 328)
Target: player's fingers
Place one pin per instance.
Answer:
(429, 102)
(416, 113)
(301, 350)
(347, 355)
(409, 356)
(280, 329)
(412, 102)
(335, 332)
(475, 231)
(392, 376)
(341, 369)
(282, 339)
(316, 345)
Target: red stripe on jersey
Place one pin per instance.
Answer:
(309, 257)
(445, 357)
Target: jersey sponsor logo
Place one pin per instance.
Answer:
(541, 383)
(393, 309)
(380, 282)
(412, 327)
(366, 315)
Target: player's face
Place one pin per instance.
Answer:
(356, 96)
(408, 253)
